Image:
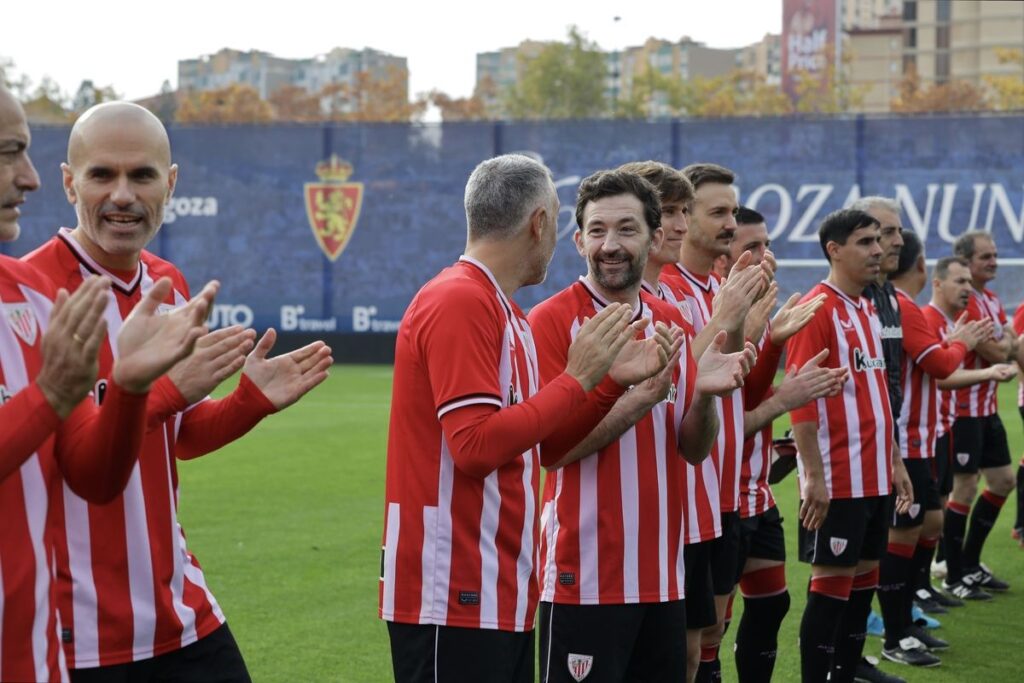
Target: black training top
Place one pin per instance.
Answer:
(884, 298)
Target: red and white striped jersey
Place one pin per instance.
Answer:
(128, 588)
(699, 292)
(29, 637)
(926, 359)
(855, 427)
(755, 494)
(1018, 327)
(980, 400)
(612, 522)
(701, 488)
(942, 325)
(459, 550)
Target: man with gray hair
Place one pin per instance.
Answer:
(458, 583)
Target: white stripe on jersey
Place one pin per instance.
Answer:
(390, 546)
(629, 487)
(849, 405)
(34, 486)
(875, 388)
(140, 564)
(528, 555)
(588, 578)
(463, 402)
(185, 613)
(86, 618)
(488, 548)
(660, 436)
(432, 519)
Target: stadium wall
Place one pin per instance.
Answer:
(240, 210)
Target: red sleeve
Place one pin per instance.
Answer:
(96, 448)
(164, 401)
(924, 346)
(483, 437)
(1018, 320)
(26, 421)
(760, 379)
(806, 344)
(552, 339)
(212, 424)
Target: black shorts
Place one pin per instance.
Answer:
(725, 552)
(944, 463)
(700, 594)
(425, 653)
(855, 529)
(979, 443)
(214, 658)
(639, 642)
(926, 494)
(762, 537)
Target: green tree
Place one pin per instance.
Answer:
(564, 81)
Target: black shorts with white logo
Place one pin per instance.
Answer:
(926, 494)
(855, 529)
(725, 552)
(979, 443)
(944, 463)
(214, 657)
(761, 537)
(425, 653)
(611, 643)
(700, 593)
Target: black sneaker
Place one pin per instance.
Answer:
(985, 579)
(927, 603)
(911, 651)
(965, 590)
(942, 598)
(926, 639)
(867, 672)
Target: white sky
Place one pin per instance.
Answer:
(135, 46)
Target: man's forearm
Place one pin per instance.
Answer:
(626, 412)
(763, 415)
(964, 377)
(806, 436)
(698, 430)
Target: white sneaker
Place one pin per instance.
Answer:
(939, 570)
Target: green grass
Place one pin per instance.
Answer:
(287, 525)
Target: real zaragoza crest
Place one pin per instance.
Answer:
(333, 205)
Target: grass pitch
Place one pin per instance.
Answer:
(287, 525)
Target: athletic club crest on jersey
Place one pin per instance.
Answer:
(837, 545)
(580, 666)
(915, 510)
(23, 321)
(333, 206)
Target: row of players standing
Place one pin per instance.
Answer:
(101, 395)
(653, 493)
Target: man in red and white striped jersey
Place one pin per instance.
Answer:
(132, 598)
(979, 438)
(48, 364)
(927, 359)
(951, 292)
(613, 509)
(761, 573)
(469, 425)
(712, 225)
(847, 461)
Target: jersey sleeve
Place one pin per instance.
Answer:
(1018, 320)
(923, 345)
(26, 421)
(805, 345)
(213, 423)
(460, 339)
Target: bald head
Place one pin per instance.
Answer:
(125, 117)
(118, 175)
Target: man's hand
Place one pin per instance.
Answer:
(598, 342)
(286, 378)
(150, 343)
(757, 318)
(217, 356)
(810, 382)
(770, 264)
(971, 332)
(719, 374)
(902, 487)
(1002, 372)
(813, 501)
(743, 286)
(793, 316)
(71, 344)
(654, 390)
(639, 359)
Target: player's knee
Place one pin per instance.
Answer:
(712, 635)
(1001, 481)
(965, 489)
